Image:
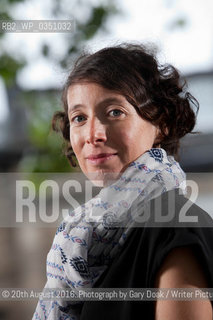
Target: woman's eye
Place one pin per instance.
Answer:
(115, 113)
(78, 119)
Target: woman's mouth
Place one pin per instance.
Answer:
(100, 158)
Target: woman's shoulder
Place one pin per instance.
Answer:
(150, 241)
(174, 222)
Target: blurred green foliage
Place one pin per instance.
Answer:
(46, 146)
(9, 68)
(45, 152)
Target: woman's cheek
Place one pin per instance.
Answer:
(127, 137)
(125, 143)
(74, 138)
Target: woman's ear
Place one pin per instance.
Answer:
(160, 135)
(158, 138)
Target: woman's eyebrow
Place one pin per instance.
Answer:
(75, 107)
(108, 101)
(100, 104)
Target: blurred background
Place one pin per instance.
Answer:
(33, 68)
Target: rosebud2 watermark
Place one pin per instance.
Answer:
(45, 199)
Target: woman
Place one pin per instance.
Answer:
(123, 117)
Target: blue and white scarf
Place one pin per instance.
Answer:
(89, 239)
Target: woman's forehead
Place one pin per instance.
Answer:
(82, 93)
(90, 86)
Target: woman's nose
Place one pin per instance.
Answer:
(96, 131)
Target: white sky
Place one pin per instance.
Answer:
(189, 48)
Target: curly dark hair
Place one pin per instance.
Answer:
(156, 91)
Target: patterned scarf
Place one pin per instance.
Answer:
(89, 239)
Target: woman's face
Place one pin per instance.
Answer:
(106, 132)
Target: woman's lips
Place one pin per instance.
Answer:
(100, 158)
